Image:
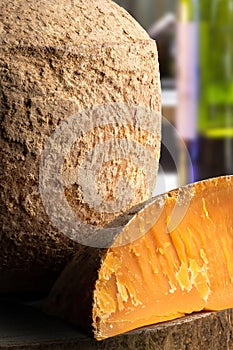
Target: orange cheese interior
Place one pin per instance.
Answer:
(169, 270)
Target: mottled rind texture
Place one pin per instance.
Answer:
(58, 58)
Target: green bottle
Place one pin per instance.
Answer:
(214, 155)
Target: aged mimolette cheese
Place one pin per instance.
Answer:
(173, 255)
(76, 78)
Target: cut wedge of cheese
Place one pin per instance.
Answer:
(173, 255)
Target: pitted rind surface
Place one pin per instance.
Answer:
(71, 22)
(56, 59)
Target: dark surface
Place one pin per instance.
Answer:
(23, 326)
(214, 157)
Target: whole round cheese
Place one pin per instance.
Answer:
(80, 130)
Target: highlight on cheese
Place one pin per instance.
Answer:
(165, 274)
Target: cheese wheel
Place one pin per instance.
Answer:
(80, 129)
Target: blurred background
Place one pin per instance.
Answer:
(195, 46)
(158, 18)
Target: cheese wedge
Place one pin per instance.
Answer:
(173, 256)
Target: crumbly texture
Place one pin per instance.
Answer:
(58, 58)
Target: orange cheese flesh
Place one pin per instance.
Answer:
(171, 269)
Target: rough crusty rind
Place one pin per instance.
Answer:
(57, 59)
(48, 23)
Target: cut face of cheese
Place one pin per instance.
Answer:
(169, 266)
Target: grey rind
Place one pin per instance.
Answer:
(57, 58)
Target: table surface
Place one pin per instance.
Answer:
(24, 326)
